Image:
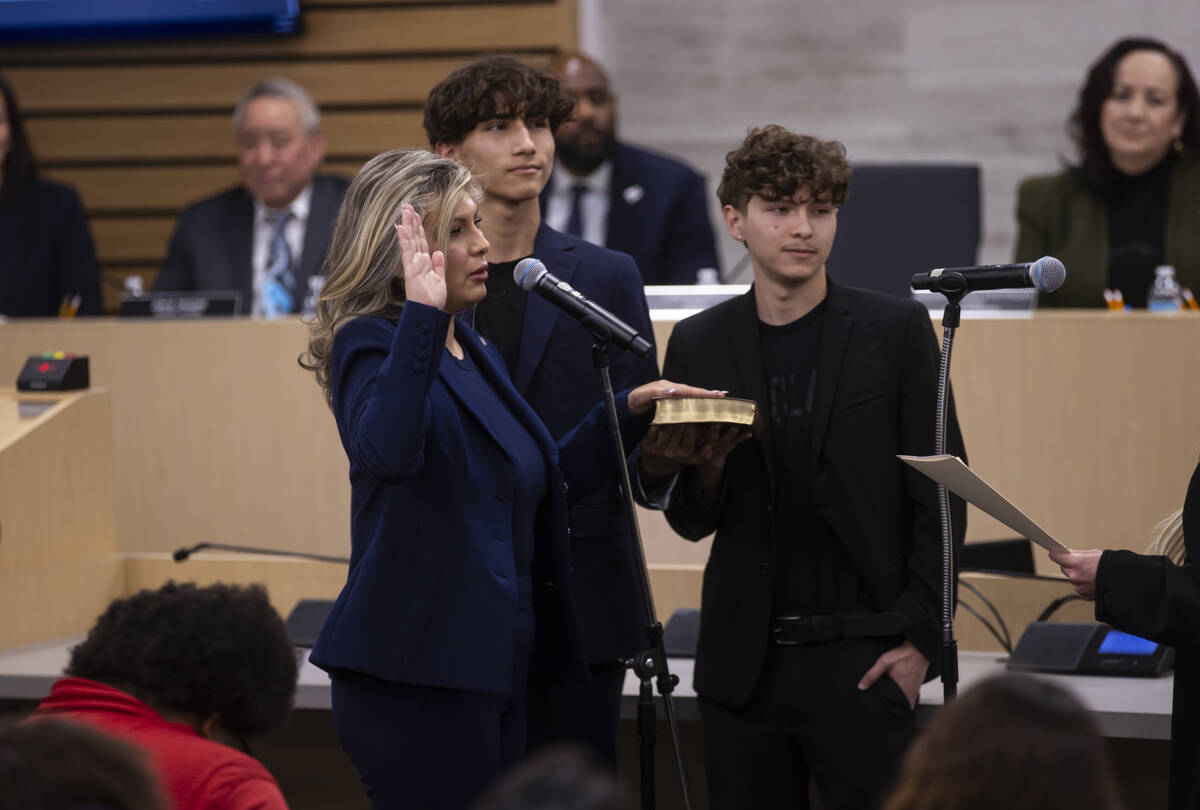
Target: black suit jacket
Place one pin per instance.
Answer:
(658, 214)
(1152, 598)
(48, 254)
(213, 240)
(555, 375)
(876, 389)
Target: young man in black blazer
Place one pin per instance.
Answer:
(820, 607)
(498, 116)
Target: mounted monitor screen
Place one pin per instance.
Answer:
(91, 20)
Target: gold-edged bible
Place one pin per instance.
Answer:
(687, 410)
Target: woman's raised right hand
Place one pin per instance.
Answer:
(424, 273)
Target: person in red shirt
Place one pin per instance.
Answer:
(185, 673)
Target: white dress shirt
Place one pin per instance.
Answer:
(593, 205)
(264, 228)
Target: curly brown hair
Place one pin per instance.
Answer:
(495, 87)
(776, 163)
(1011, 742)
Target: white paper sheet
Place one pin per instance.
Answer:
(950, 472)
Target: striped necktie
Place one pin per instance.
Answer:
(279, 286)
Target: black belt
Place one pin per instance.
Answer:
(791, 630)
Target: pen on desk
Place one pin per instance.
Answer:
(62, 308)
(1112, 299)
(1189, 300)
(74, 306)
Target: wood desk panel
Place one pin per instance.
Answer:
(1084, 419)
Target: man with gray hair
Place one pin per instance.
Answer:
(267, 237)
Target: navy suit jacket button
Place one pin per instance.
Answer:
(417, 367)
(422, 354)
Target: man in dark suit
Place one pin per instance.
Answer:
(610, 193)
(498, 116)
(819, 618)
(267, 237)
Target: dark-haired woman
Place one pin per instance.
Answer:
(1131, 202)
(47, 258)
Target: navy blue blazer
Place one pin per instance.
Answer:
(430, 596)
(555, 375)
(214, 238)
(658, 214)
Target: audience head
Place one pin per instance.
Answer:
(1011, 742)
(50, 764)
(363, 271)
(498, 117)
(216, 657)
(1138, 102)
(559, 778)
(277, 128)
(19, 165)
(780, 193)
(587, 139)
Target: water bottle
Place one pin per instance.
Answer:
(1164, 294)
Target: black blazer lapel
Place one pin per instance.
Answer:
(835, 337)
(321, 214)
(558, 256)
(622, 215)
(747, 356)
(239, 242)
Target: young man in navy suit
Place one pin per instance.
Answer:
(498, 115)
(820, 610)
(610, 193)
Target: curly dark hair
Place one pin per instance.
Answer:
(775, 164)
(495, 87)
(1083, 127)
(20, 168)
(218, 650)
(52, 763)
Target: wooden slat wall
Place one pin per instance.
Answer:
(142, 128)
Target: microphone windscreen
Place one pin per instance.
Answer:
(181, 554)
(527, 272)
(1048, 274)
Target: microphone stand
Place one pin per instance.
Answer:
(954, 286)
(650, 664)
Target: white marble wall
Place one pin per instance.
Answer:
(895, 80)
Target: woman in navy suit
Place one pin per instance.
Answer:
(459, 497)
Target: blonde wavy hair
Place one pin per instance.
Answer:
(362, 267)
(1167, 538)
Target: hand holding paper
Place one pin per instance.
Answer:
(950, 472)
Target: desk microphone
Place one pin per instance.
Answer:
(1047, 274)
(181, 554)
(533, 276)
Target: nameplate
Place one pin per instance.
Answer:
(177, 305)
